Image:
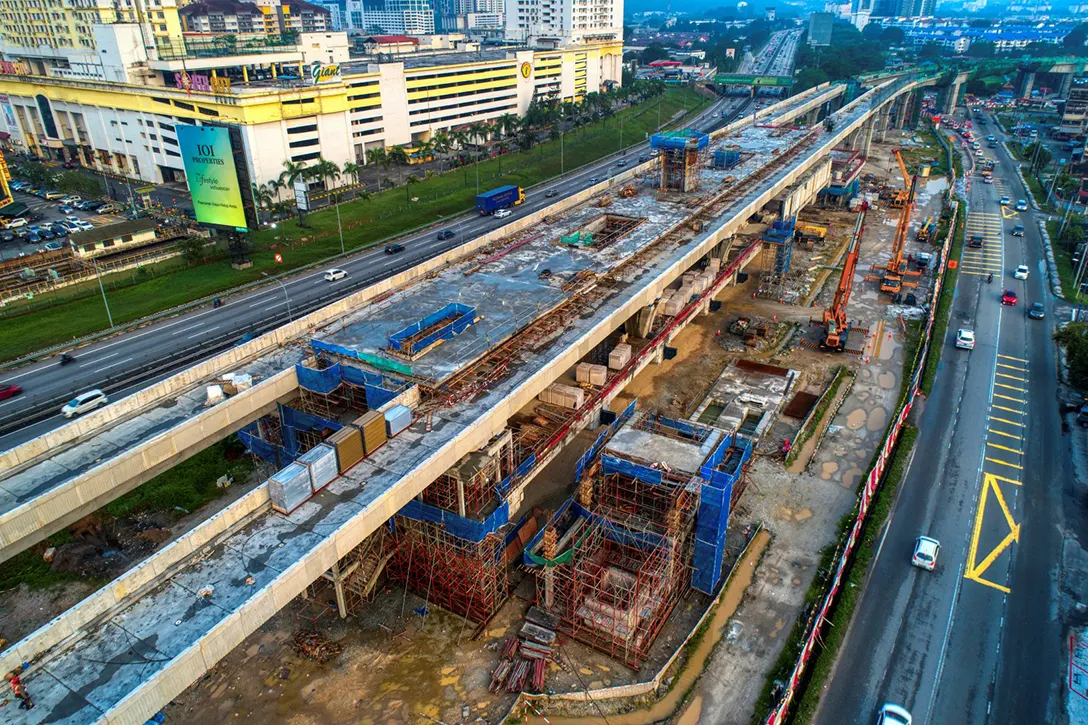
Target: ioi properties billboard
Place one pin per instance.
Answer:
(212, 175)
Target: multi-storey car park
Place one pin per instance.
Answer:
(472, 343)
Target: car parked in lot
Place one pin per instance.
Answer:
(1036, 311)
(66, 209)
(965, 339)
(72, 218)
(71, 226)
(447, 234)
(1021, 272)
(84, 403)
(1021, 205)
(46, 233)
(54, 195)
(71, 199)
(6, 236)
(925, 553)
(17, 222)
(334, 274)
(1009, 297)
(53, 246)
(84, 225)
(32, 236)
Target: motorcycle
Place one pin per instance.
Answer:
(65, 358)
(990, 278)
(217, 303)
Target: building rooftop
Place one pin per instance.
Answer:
(112, 231)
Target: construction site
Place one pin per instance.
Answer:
(532, 469)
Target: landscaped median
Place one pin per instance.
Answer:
(54, 319)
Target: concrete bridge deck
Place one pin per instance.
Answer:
(149, 635)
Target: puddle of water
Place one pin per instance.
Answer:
(711, 413)
(664, 708)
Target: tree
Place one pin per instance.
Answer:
(36, 173)
(325, 170)
(1038, 155)
(192, 249)
(1073, 337)
(654, 52)
(412, 179)
(892, 36)
(930, 51)
(1075, 40)
(982, 49)
(379, 156)
(397, 156)
(352, 170)
(74, 182)
(293, 171)
(1072, 235)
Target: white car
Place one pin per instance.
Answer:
(1005, 201)
(71, 199)
(965, 339)
(84, 403)
(503, 213)
(925, 552)
(1021, 272)
(892, 715)
(84, 225)
(73, 219)
(1021, 205)
(334, 274)
(17, 222)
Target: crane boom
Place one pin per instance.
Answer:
(835, 321)
(902, 169)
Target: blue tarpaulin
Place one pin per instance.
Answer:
(455, 525)
(719, 474)
(295, 421)
(460, 317)
(380, 389)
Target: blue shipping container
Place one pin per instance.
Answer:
(504, 196)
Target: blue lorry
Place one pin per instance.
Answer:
(491, 201)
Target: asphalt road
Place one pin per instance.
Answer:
(154, 350)
(977, 640)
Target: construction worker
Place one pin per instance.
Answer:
(19, 690)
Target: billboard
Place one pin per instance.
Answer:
(212, 177)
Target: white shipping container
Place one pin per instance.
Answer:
(289, 488)
(321, 460)
(397, 419)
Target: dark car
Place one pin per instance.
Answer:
(7, 237)
(58, 230)
(975, 241)
(46, 234)
(446, 234)
(93, 205)
(643, 159)
(552, 193)
(1009, 298)
(1018, 230)
(621, 162)
(1036, 312)
(33, 236)
(394, 248)
(9, 391)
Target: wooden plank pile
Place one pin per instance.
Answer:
(524, 658)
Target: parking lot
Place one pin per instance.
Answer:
(41, 212)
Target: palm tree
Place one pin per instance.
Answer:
(398, 156)
(377, 156)
(425, 150)
(263, 196)
(351, 169)
(293, 171)
(509, 124)
(442, 144)
(412, 179)
(326, 171)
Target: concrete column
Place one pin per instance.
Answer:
(1027, 82)
(882, 126)
(460, 497)
(867, 135)
(950, 98)
(338, 585)
(1066, 86)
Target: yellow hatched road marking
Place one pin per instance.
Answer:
(1004, 463)
(1012, 367)
(1003, 420)
(1007, 435)
(1015, 400)
(1005, 448)
(1010, 357)
(1010, 387)
(974, 568)
(1011, 377)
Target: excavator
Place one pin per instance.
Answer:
(892, 275)
(836, 326)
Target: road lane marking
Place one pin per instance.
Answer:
(1004, 463)
(1005, 448)
(111, 365)
(1012, 367)
(1010, 387)
(1010, 357)
(1011, 377)
(1007, 435)
(1003, 420)
(104, 357)
(1008, 410)
(202, 332)
(975, 569)
(1015, 400)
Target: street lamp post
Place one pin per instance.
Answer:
(286, 296)
(340, 228)
(102, 288)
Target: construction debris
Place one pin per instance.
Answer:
(317, 647)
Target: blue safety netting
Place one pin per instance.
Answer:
(380, 389)
(460, 317)
(684, 139)
(294, 422)
(590, 454)
(719, 473)
(630, 469)
(567, 516)
(271, 452)
(850, 189)
(459, 526)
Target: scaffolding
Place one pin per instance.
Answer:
(359, 571)
(680, 151)
(777, 256)
(472, 487)
(466, 577)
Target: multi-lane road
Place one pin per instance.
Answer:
(127, 361)
(978, 640)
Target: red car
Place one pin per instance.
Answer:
(9, 391)
(1009, 298)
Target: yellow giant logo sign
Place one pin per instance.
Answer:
(320, 72)
(526, 70)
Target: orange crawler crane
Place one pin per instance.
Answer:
(836, 326)
(891, 275)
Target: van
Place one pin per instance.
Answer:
(84, 403)
(503, 213)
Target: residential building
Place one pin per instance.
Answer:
(55, 29)
(819, 28)
(121, 114)
(556, 23)
(1075, 117)
(408, 17)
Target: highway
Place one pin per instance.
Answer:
(977, 640)
(122, 364)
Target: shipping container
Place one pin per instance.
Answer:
(372, 425)
(321, 462)
(289, 488)
(348, 442)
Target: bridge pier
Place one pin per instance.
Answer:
(881, 130)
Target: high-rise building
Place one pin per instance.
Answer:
(410, 17)
(561, 22)
(57, 29)
(819, 28)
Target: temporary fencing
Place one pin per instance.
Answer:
(380, 389)
(448, 322)
(717, 475)
(873, 480)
